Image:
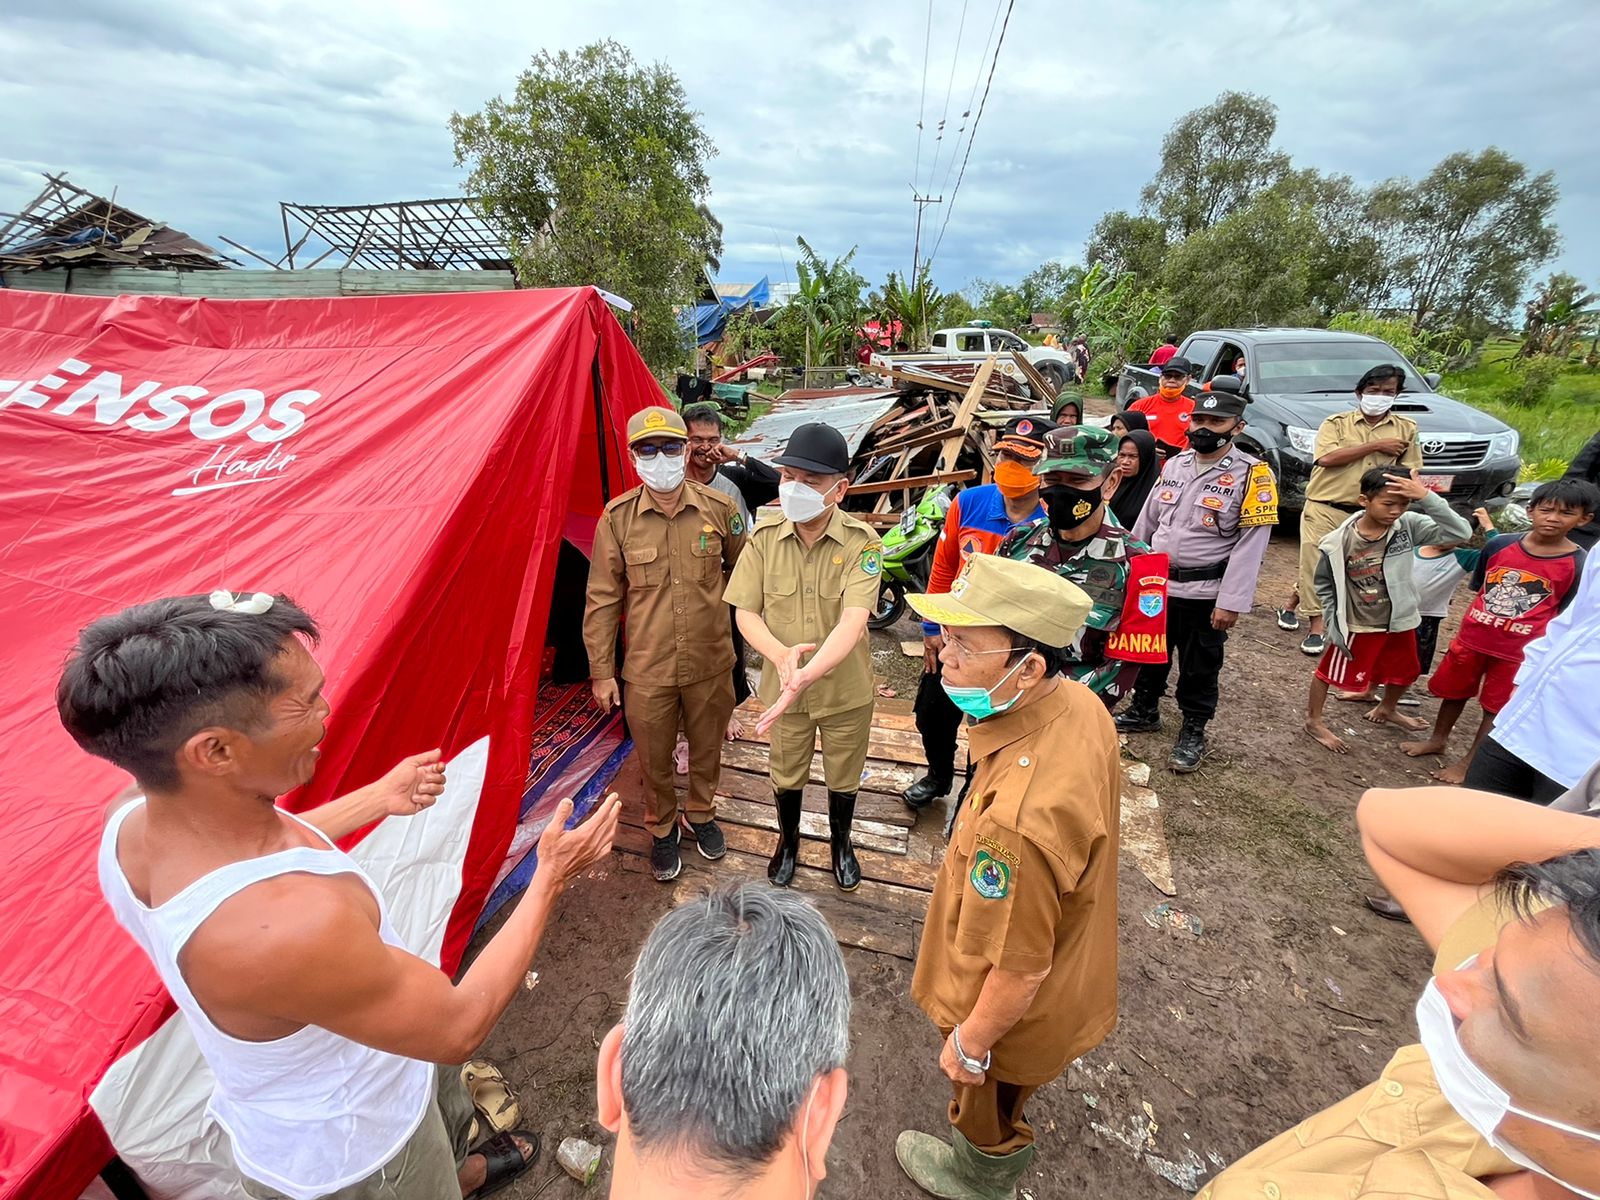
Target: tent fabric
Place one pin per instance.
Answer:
(404, 466)
(707, 321)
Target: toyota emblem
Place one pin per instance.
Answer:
(1434, 446)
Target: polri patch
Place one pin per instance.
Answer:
(991, 878)
(872, 562)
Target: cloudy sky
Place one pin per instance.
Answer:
(205, 115)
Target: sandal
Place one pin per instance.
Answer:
(491, 1096)
(503, 1161)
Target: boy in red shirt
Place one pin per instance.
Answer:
(1168, 410)
(1522, 581)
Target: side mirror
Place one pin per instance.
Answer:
(1228, 383)
(1432, 379)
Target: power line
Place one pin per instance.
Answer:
(955, 58)
(993, 62)
(927, 37)
(972, 96)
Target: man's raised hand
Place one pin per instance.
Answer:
(565, 853)
(413, 784)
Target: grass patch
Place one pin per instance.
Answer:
(1251, 815)
(1555, 429)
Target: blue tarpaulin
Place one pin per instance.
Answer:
(708, 320)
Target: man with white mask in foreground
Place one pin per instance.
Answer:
(1499, 1099)
(726, 1077)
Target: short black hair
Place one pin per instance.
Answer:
(141, 682)
(1056, 660)
(1380, 373)
(1571, 880)
(1578, 493)
(1375, 479)
(705, 412)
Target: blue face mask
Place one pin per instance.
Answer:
(978, 703)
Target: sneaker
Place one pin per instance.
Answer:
(1314, 645)
(1288, 619)
(708, 839)
(1137, 719)
(664, 861)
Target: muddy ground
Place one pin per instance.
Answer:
(1292, 994)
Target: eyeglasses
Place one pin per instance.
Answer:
(961, 648)
(649, 450)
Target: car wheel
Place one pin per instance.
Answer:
(1055, 375)
(891, 605)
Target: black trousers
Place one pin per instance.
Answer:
(1197, 649)
(1428, 642)
(1495, 769)
(741, 678)
(938, 719)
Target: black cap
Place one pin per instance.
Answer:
(820, 448)
(1222, 401)
(1175, 363)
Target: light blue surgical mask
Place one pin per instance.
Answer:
(978, 703)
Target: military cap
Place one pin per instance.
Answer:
(657, 421)
(1011, 594)
(1077, 448)
(1024, 435)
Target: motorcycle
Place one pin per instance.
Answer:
(908, 555)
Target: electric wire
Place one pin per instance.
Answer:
(972, 96)
(927, 38)
(949, 87)
(993, 62)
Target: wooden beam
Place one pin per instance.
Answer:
(914, 482)
(963, 417)
(1036, 381)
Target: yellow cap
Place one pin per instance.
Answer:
(657, 421)
(1027, 599)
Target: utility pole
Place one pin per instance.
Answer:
(921, 202)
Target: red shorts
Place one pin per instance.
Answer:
(1374, 658)
(1459, 674)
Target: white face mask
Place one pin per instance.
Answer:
(661, 473)
(1374, 404)
(801, 502)
(1477, 1099)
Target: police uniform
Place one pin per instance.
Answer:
(1028, 885)
(663, 572)
(801, 592)
(1212, 520)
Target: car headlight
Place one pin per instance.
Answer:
(1505, 445)
(1302, 441)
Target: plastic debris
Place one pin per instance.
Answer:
(1169, 915)
(579, 1159)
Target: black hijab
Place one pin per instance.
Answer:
(1130, 496)
(1132, 420)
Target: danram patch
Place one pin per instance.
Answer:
(991, 878)
(1151, 603)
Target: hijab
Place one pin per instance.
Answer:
(1133, 421)
(1131, 492)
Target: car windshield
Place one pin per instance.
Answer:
(1290, 367)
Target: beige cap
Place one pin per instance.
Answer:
(656, 421)
(1027, 599)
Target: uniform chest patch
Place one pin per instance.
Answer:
(991, 878)
(1212, 502)
(1228, 480)
(1209, 520)
(1166, 495)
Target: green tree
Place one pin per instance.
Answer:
(594, 169)
(1002, 303)
(917, 306)
(1561, 312)
(819, 326)
(1213, 160)
(1461, 243)
(1128, 244)
(1119, 318)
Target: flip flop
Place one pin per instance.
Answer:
(503, 1161)
(491, 1095)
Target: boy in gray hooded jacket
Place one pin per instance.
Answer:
(1369, 600)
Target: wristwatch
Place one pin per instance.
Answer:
(976, 1066)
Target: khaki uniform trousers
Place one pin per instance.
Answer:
(425, 1167)
(844, 749)
(654, 717)
(990, 1117)
(1317, 521)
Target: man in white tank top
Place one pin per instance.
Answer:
(320, 1026)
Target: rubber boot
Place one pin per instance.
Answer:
(1190, 747)
(841, 811)
(780, 870)
(1139, 717)
(958, 1170)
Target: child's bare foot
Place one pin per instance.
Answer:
(1455, 773)
(1434, 745)
(1357, 697)
(1326, 736)
(1387, 716)
(735, 729)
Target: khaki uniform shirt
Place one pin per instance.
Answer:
(801, 592)
(1342, 485)
(1399, 1137)
(665, 574)
(1029, 883)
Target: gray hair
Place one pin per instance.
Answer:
(739, 1001)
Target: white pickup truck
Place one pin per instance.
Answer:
(977, 342)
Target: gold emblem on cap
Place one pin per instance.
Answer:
(654, 420)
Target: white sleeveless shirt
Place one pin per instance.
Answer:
(309, 1113)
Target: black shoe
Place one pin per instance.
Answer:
(841, 811)
(1314, 644)
(926, 790)
(780, 870)
(1190, 747)
(664, 861)
(708, 839)
(1288, 619)
(1386, 906)
(1136, 718)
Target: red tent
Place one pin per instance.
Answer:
(404, 466)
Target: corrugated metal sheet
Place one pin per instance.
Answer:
(243, 285)
(852, 414)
